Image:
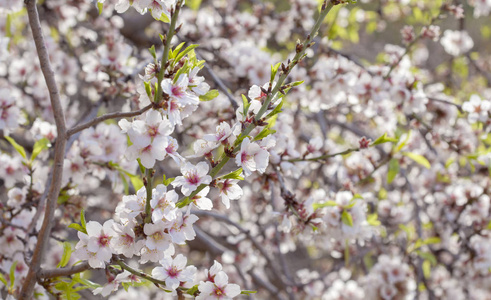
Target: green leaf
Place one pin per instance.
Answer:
(193, 4)
(347, 218)
(77, 227)
(65, 258)
(264, 133)
(39, 146)
(432, 240)
(325, 204)
(3, 280)
(246, 104)
(274, 70)
(393, 170)
(168, 181)
(212, 94)
(192, 291)
(276, 110)
(185, 51)
(383, 139)
(372, 219)
(428, 256)
(245, 292)
(82, 219)
(420, 159)
(403, 142)
(100, 6)
(426, 266)
(85, 282)
(136, 181)
(152, 51)
(8, 26)
(164, 18)
(296, 83)
(12, 274)
(176, 51)
(234, 175)
(17, 147)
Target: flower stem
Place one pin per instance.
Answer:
(148, 187)
(167, 46)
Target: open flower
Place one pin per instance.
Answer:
(95, 246)
(193, 177)
(229, 190)
(252, 157)
(174, 271)
(219, 289)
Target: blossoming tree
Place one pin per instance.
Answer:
(213, 149)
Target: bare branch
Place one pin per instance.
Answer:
(64, 271)
(57, 170)
(114, 115)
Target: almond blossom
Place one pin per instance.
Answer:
(95, 246)
(229, 190)
(149, 138)
(219, 288)
(174, 271)
(193, 176)
(251, 157)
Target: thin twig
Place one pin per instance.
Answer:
(114, 115)
(57, 170)
(64, 271)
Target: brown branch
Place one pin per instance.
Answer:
(114, 115)
(64, 271)
(57, 170)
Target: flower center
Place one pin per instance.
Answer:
(104, 240)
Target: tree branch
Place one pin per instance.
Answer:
(64, 271)
(57, 170)
(114, 115)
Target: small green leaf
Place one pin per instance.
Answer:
(420, 159)
(245, 292)
(347, 218)
(296, 83)
(12, 274)
(100, 6)
(77, 227)
(168, 181)
(372, 219)
(192, 291)
(325, 204)
(193, 4)
(428, 256)
(383, 139)
(17, 147)
(152, 51)
(82, 219)
(274, 70)
(65, 258)
(403, 143)
(3, 280)
(212, 94)
(136, 181)
(185, 51)
(426, 266)
(393, 170)
(164, 18)
(8, 26)
(276, 110)
(234, 175)
(432, 240)
(246, 105)
(264, 133)
(39, 146)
